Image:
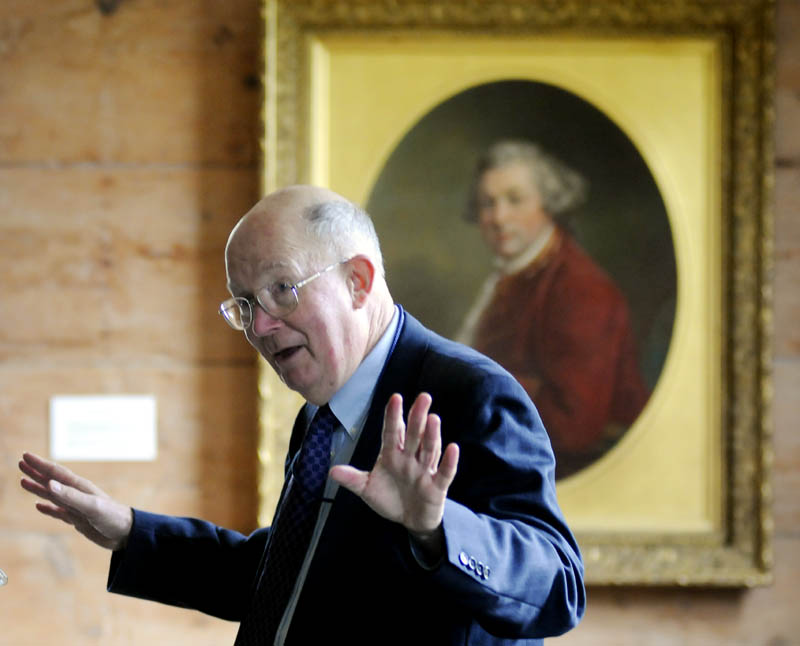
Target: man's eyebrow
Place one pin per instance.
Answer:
(264, 269)
(266, 266)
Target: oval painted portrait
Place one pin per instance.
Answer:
(518, 218)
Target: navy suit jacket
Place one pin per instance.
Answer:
(512, 573)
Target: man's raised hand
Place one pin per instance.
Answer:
(76, 501)
(408, 483)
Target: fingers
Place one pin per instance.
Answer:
(36, 467)
(38, 485)
(64, 503)
(430, 448)
(34, 487)
(42, 470)
(421, 437)
(417, 422)
(72, 499)
(69, 496)
(55, 512)
(424, 433)
(37, 478)
(394, 430)
(447, 468)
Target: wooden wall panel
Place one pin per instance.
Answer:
(167, 81)
(787, 252)
(103, 263)
(128, 149)
(786, 476)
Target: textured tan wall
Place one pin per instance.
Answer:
(127, 150)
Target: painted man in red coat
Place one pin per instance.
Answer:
(549, 314)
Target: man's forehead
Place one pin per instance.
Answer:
(513, 172)
(273, 237)
(258, 265)
(268, 235)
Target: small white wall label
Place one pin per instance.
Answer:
(103, 427)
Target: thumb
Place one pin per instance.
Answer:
(350, 478)
(71, 498)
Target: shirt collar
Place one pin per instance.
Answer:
(351, 402)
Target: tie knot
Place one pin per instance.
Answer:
(324, 421)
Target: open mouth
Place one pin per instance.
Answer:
(286, 353)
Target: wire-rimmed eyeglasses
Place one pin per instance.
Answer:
(278, 299)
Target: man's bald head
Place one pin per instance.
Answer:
(323, 225)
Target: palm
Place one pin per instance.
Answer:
(408, 484)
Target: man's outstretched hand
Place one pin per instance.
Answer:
(408, 483)
(77, 501)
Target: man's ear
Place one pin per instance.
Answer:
(360, 279)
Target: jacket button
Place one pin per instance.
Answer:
(463, 558)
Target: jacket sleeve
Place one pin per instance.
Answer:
(189, 563)
(511, 559)
(193, 563)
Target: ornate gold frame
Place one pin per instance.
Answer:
(734, 549)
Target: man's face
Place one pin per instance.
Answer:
(510, 213)
(314, 349)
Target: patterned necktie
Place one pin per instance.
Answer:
(291, 533)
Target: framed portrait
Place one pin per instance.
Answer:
(665, 112)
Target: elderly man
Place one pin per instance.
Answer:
(401, 540)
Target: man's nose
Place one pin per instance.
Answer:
(263, 322)
(498, 213)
